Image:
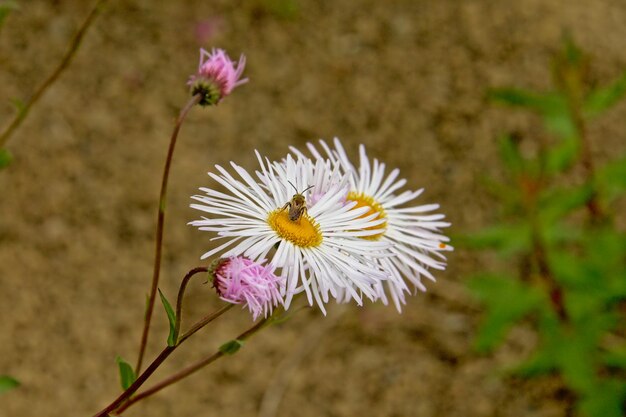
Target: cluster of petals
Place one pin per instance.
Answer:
(217, 76)
(413, 231)
(358, 236)
(239, 280)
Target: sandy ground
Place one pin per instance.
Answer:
(407, 78)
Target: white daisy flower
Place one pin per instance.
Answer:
(413, 231)
(319, 251)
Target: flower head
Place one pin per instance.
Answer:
(416, 243)
(319, 252)
(239, 280)
(217, 76)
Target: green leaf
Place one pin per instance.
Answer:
(541, 363)
(19, 105)
(544, 103)
(605, 399)
(5, 158)
(8, 383)
(616, 357)
(576, 363)
(508, 238)
(172, 338)
(507, 301)
(6, 7)
(562, 156)
(283, 9)
(612, 178)
(604, 98)
(127, 374)
(554, 204)
(231, 347)
(510, 154)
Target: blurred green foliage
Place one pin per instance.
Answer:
(6, 7)
(5, 158)
(8, 383)
(557, 228)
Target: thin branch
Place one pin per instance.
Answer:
(181, 294)
(167, 351)
(190, 369)
(65, 62)
(159, 231)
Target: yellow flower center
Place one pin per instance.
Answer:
(363, 200)
(304, 232)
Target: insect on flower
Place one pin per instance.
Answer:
(297, 205)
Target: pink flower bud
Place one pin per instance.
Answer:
(239, 280)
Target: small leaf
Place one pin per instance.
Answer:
(171, 316)
(283, 9)
(554, 204)
(5, 158)
(507, 301)
(612, 178)
(604, 98)
(6, 8)
(576, 363)
(510, 154)
(562, 156)
(19, 105)
(8, 383)
(544, 103)
(127, 375)
(604, 399)
(507, 238)
(616, 357)
(231, 347)
(541, 363)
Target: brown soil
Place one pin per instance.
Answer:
(407, 78)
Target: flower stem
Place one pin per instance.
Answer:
(159, 232)
(65, 62)
(181, 294)
(167, 351)
(190, 369)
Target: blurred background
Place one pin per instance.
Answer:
(406, 78)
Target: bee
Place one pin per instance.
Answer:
(297, 205)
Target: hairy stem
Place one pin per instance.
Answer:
(159, 231)
(65, 62)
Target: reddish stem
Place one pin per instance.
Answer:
(159, 232)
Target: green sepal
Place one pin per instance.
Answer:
(127, 374)
(172, 338)
(231, 347)
(5, 158)
(7, 383)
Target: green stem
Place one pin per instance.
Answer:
(159, 232)
(65, 62)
